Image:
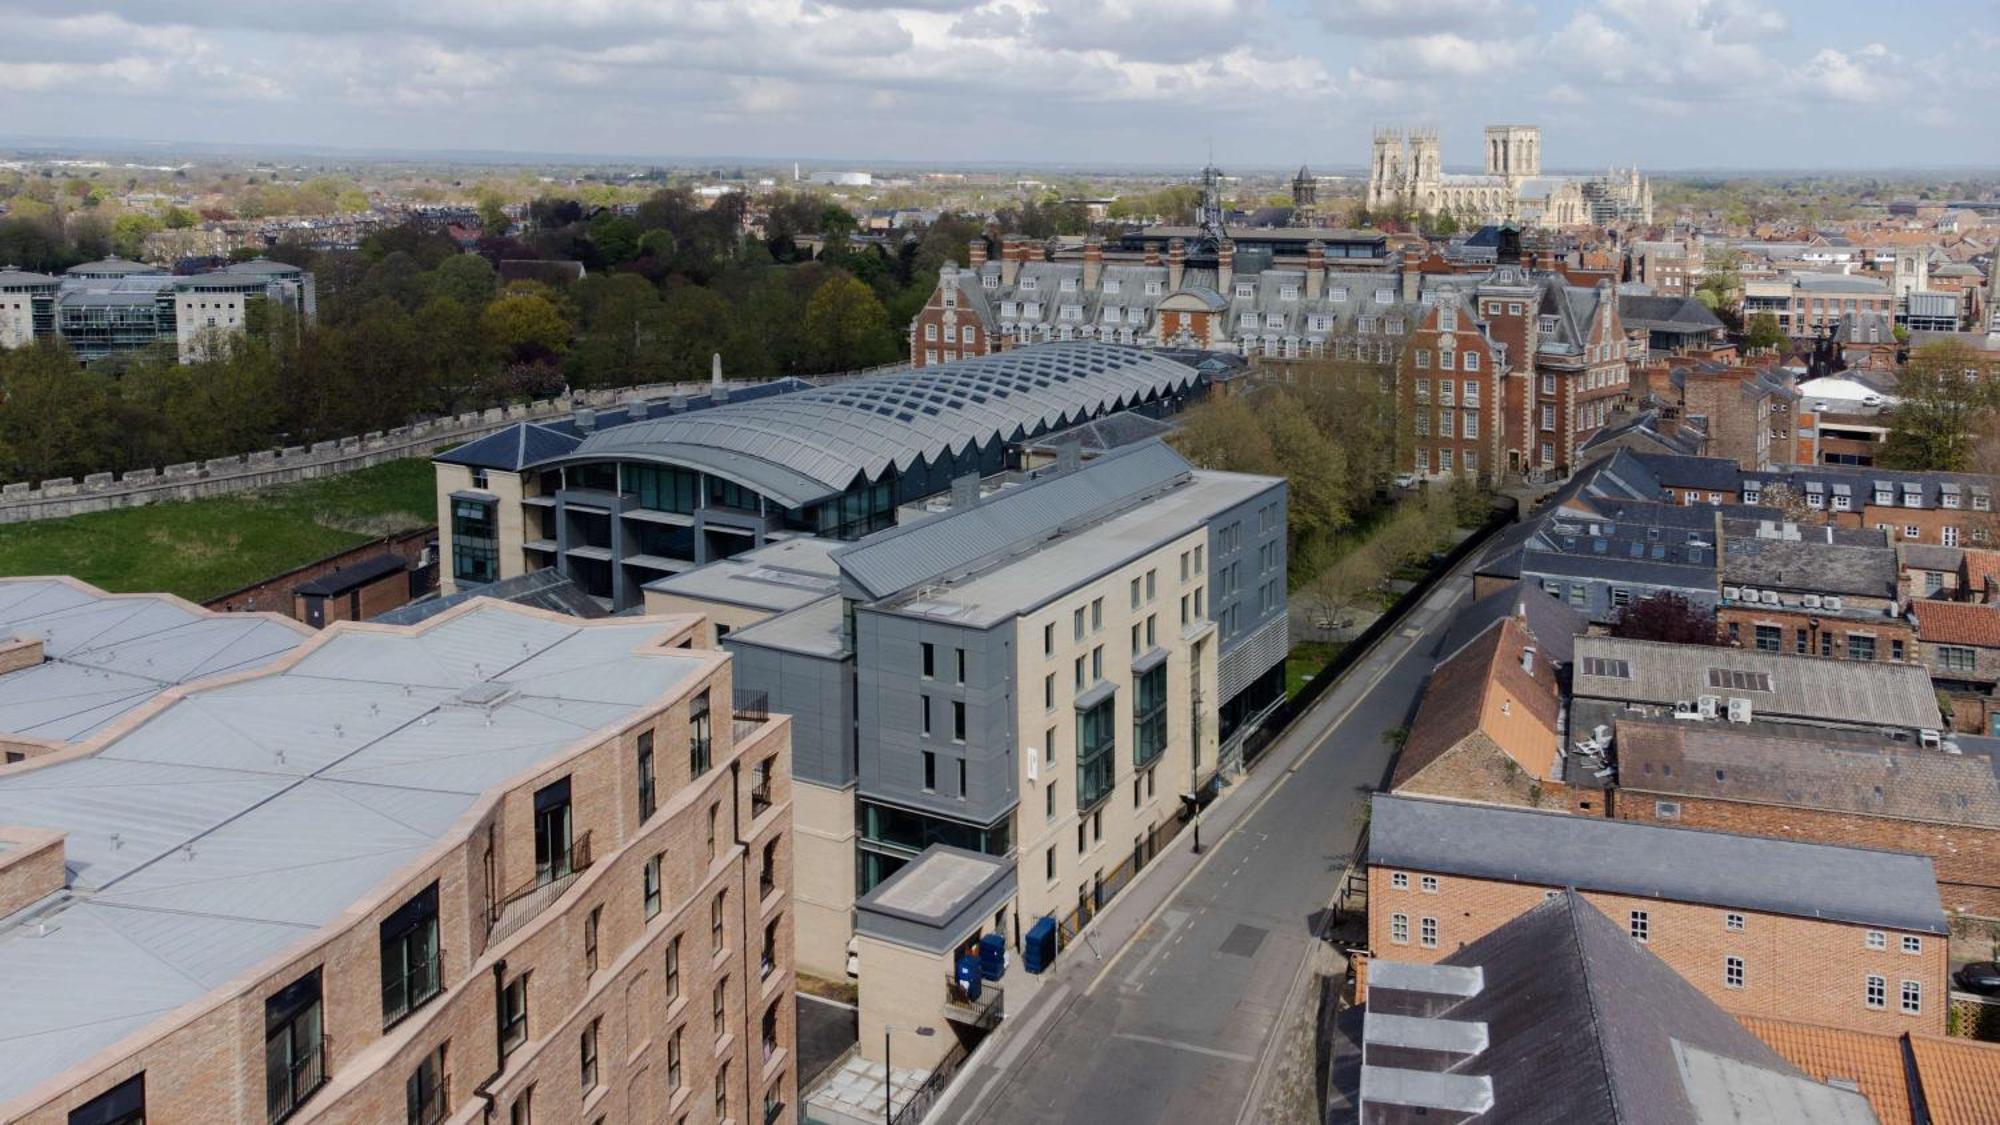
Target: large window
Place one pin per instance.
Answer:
(412, 963)
(554, 855)
(1149, 716)
(648, 797)
(698, 736)
(663, 488)
(475, 544)
(427, 1091)
(1096, 765)
(293, 1064)
(862, 509)
(123, 1104)
(513, 1015)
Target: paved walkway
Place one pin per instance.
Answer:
(1166, 1014)
(853, 1094)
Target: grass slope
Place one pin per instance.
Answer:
(201, 549)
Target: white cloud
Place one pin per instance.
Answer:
(1839, 75)
(1413, 18)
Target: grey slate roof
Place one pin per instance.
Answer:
(348, 577)
(956, 542)
(1810, 564)
(804, 447)
(1586, 1026)
(1667, 314)
(1893, 890)
(1802, 687)
(105, 654)
(1554, 626)
(192, 832)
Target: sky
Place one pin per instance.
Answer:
(1668, 84)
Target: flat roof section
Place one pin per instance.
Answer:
(777, 577)
(105, 654)
(937, 900)
(236, 820)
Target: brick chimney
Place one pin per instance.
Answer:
(1225, 266)
(975, 252)
(1012, 254)
(1176, 263)
(1315, 269)
(31, 866)
(1093, 264)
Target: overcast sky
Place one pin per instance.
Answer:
(1669, 83)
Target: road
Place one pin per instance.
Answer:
(1172, 1028)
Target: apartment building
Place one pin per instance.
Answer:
(501, 864)
(1839, 936)
(1557, 1015)
(75, 660)
(619, 499)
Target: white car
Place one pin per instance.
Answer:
(1406, 480)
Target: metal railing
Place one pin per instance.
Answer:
(434, 1106)
(420, 985)
(760, 792)
(752, 709)
(288, 1089)
(514, 910)
(926, 1095)
(1107, 888)
(983, 1014)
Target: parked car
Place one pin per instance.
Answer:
(1982, 977)
(1406, 480)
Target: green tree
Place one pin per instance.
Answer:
(1763, 332)
(1946, 407)
(492, 213)
(468, 279)
(55, 417)
(525, 327)
(178, 218)
(128, 233)
(846, 327)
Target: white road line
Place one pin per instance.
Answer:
(1179, 1046)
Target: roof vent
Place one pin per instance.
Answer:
(677, 404)
(586, 419)
(965, 491)
(485, 695)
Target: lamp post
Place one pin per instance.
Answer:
(889, 1071)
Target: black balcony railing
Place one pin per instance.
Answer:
(533, 896)
(432, 1106)
(289, 1084)
(760, 791)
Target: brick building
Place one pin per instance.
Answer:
(1455, 391)
(1908, 1079)
(1812, 591)
(1960, 643)
(502, 862)
(1830, 790)
(1557, 1015)
(1834, 935)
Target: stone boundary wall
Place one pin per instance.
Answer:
(26, 501)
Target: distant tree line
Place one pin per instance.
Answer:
(411, 325)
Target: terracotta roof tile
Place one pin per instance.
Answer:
(1961, 1079)
(1981, 567)
(1871, 1060)
(1958, 623)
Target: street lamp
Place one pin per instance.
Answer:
(889, 1072)
(1193, 803)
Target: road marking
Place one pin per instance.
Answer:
(1173, 923)
(1180, 1046)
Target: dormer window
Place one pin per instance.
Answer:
(990, 281)
(1548, 325)
(1395, 326)
(1274, 320)
(1245, 289)
(1447, 319)
(1111, 286)
(1385, 296)
(1338, 295)
(1008, 308)
(1152, 289)
(1028, 283)
(1247, 320)
(1288, 292)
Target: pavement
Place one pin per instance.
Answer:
(1203, 954)
(853, 1094)
(826, 1029)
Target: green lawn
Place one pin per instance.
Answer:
(201, 549)
(1305, 661)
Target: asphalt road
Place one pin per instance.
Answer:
(1173, 1027)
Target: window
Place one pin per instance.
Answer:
(1427, 933)
(475, 540)
(1641, 926)
(958, 720)
(674, 1072)
(1049, 692)
(718, 1009)
(1911, 531)
(722, 1091)
(1049, 639)
(929, 659)
(522, 1112)
(959, 656)
(514, 1014)
(767, 961)
(1733, 923)
(715, 919)
(294, 1066)
(1666, 810)
(1399, 928)
(652, 886)
(1471, 364)
(412, 968)
(1770, 638)
(1096, 764)
(646, 791)
(587, 1055)
(1077, 623)
(1860, 647)
(714, 818)
(673, 972)
(698, 736)
(1912, 945)
(924, 714)
(1428, 884)
(1957, 658)
(1876, 939)
(123, 1104)
(426, 1092)
(1913, 998)
(1400, 880)
(1149, 716)
(1732, 972)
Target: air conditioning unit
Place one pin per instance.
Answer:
(1739, 710)
(1711, 705)
(1832, 602)
(1812, 601)
(1731, 593)
(1685, 710)
(1930, 739)
(1770, 596)
(1749, 594)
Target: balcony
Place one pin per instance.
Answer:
(530, 899)
(752, 710)
(287, 1085)
(983, 1014)
(434, 1105)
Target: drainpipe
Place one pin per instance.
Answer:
(484, 1091)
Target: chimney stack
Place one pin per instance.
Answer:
(1315, 269)
(975, 251)
(1093, 264)
(1152, 254)
(1225, 266)
(1176, 263)
(1013, 251)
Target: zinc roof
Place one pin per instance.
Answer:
(803, 447)
(240, 817)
